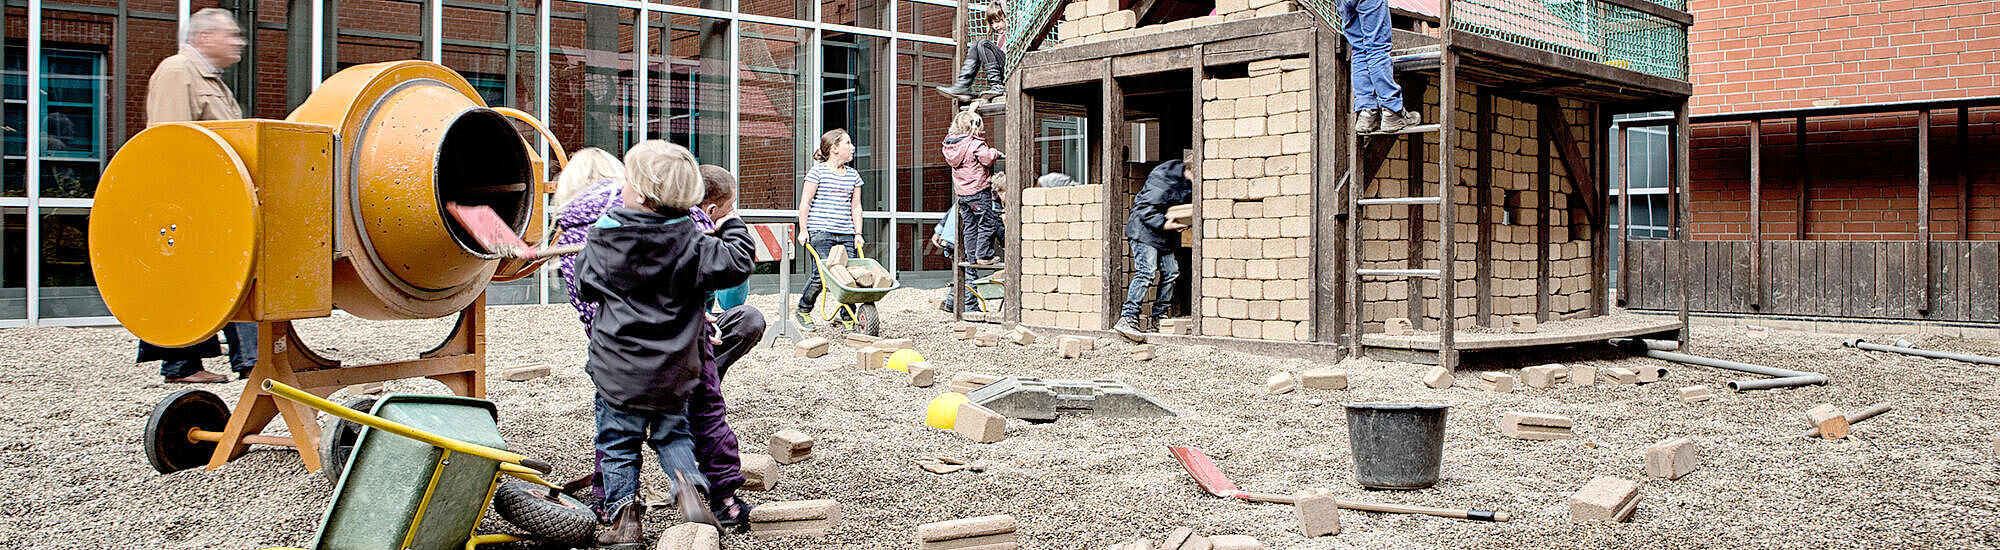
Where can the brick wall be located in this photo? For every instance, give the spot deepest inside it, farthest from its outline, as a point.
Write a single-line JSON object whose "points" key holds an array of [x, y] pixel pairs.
{"points": [[1749, 56], [1514, 209], [1256, 193], [1863, 174], [1062, 256]]}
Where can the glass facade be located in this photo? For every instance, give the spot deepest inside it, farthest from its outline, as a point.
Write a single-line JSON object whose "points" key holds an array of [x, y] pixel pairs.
{"points": [[747, 84]]}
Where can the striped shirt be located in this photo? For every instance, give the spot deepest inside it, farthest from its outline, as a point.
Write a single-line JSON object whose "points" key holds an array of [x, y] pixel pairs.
{"points": [[830, 208]]}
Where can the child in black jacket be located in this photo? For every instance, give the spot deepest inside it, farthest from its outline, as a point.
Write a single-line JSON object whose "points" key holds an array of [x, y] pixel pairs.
{"points": [[649, 269]]}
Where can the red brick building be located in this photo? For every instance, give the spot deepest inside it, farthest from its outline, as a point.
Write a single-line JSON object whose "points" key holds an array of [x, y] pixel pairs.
{"points": [[1858, 75]]}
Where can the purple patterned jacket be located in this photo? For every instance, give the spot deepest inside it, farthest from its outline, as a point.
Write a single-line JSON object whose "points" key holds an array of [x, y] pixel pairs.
{"points": [[573, 226]]}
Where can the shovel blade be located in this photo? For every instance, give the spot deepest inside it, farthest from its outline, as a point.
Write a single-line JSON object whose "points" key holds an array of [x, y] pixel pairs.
{"points": [[1205, 473]]}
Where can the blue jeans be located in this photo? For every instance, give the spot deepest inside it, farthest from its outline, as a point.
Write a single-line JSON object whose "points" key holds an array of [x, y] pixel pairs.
{"points": [[1150, 264], [242, 338], [1374, 79], [622, 437], [821, 242]]}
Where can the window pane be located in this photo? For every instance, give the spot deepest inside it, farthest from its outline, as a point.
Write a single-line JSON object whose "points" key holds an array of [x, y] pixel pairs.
{"points": [[772, 130], [380, 30], [591, 91], [689, 77], [475, 45], [859, 13], [923, 180], [67, 287], [850, 70], [13, 263], [793, 9], [930, 19]]}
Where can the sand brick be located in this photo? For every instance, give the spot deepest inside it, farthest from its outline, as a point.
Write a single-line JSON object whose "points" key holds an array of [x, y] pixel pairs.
{"points": [[1605, 498], [1671, 459]]}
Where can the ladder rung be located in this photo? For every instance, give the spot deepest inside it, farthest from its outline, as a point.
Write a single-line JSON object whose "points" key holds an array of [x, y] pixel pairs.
{"points": [[1397, 272], [1401, 200], [1409, 130]]}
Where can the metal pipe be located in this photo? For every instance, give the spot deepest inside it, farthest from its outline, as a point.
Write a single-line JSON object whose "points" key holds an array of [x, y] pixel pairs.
{"points": [[1780, 378], [1980, 359]]}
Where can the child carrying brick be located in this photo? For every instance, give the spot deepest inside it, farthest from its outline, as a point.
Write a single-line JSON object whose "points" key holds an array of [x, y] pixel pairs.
{"points": [[648, 269]]}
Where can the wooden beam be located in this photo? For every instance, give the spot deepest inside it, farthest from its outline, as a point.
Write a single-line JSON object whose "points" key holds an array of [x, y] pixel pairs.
{"points": [[1330, 97], [1193, 271], [1554, 124], [1624, 170], [1447, 179], [1756, 214], [1801, 176], [1062, 74], [1543, 211], [1413, 215], [1205, 34], [1964, 161], [1178, 59], [1682, 197], [1483, 200], [1111, 172], [1290, 43], [1020, 121], [1924, 211], [1654, 9], [1600, 242]]}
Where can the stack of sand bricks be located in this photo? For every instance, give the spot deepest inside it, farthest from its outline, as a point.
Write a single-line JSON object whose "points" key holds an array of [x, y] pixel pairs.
{"points": [[1087, 21], [1514, 207], [1256, 210], [1062, 251]]}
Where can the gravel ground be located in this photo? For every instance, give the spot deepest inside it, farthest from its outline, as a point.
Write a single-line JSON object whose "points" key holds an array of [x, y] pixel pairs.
{"points": [[1920, 476]]}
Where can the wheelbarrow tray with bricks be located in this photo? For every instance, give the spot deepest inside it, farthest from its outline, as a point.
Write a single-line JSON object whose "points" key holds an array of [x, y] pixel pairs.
{"points": [[423, 471], [856, 302]]}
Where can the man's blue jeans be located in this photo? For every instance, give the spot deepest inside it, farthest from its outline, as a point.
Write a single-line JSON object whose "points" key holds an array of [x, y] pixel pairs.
{"points": [[622, 437], [1374, 79], [1148, 265]]}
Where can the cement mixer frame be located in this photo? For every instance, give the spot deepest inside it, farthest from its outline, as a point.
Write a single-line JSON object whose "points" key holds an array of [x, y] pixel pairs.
{"points": [[340, 205]]}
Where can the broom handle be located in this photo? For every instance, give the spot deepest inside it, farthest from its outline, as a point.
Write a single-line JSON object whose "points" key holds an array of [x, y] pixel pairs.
{"points": [[1481, 515]]}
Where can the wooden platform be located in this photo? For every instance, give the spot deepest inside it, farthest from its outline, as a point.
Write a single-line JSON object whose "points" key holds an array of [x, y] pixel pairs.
{"points": [[1422, 347]]}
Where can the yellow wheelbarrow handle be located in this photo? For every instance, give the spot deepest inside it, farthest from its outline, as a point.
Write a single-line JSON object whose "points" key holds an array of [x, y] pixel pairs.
{"points": [[505, 457]]}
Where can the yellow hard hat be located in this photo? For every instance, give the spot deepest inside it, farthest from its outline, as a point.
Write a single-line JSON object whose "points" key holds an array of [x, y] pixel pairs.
{"points": [[903, 357], [943, 411]]}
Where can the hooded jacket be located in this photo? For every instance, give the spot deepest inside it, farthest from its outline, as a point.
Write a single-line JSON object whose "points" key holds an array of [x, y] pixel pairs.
{"points": [[971, 161], [649, 274], [1166, 186]]}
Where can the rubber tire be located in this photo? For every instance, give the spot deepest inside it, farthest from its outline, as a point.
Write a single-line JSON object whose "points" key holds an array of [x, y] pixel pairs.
{"points": [[866, 320], [526, 505], [337, 437], [180, 412]]}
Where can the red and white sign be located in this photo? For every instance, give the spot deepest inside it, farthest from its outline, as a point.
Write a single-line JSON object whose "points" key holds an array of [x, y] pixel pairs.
{"points": [[771, 239]]}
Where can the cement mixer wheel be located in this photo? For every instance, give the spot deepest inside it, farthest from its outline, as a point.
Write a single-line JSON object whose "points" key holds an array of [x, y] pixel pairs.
{"points": [[168, 447], [545, 514], [337, 437]]}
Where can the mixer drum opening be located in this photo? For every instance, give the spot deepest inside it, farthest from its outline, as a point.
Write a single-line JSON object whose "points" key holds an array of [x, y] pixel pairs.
{"points": [[482, 161]]}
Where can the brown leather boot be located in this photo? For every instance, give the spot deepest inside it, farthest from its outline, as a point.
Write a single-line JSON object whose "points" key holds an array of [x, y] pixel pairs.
{"points": [[626, 532]]}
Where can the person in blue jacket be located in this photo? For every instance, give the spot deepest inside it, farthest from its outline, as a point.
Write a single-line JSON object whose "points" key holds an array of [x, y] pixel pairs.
{"points": [[1153, 239]]}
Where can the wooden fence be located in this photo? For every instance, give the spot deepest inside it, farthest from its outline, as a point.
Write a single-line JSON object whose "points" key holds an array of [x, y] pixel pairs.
{"points": [[1870, 279]]}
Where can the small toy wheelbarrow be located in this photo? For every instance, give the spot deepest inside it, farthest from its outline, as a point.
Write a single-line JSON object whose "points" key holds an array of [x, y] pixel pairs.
{"points": [[856, 304], [409, 488]]}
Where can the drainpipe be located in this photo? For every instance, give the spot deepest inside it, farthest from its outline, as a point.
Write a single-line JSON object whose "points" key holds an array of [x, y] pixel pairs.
{"points": [[1781, 378], [1904, 347]]}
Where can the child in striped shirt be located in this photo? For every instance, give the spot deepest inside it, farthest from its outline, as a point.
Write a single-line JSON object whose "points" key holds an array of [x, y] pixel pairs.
{"points": [[832, 215]]}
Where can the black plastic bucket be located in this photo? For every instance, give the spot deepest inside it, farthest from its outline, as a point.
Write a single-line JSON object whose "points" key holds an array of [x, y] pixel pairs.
{"points": [[1396, 445]]}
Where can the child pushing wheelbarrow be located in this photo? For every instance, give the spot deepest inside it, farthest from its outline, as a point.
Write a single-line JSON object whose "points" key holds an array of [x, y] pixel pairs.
{"points": [[851, 286]]}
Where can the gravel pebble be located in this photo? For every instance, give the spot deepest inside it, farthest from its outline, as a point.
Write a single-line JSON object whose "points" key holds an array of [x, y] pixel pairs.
{"points": [[1919, 476]]}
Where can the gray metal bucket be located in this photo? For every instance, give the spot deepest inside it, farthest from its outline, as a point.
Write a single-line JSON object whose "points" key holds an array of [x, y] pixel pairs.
{"points": [[1396, 445]]}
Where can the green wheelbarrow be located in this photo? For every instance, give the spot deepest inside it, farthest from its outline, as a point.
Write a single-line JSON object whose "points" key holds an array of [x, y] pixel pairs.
{"points": [[856, 305], [423, 471]]}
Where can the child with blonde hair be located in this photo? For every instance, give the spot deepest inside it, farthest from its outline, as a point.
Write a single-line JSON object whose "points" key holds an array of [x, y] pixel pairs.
{"points": [[585, 190], [648, 269], [971, 161]]}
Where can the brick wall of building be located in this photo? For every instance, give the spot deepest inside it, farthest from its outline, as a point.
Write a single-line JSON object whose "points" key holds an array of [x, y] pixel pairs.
{"points": [[1748, 56], [1062, 256], [1256, 193]]}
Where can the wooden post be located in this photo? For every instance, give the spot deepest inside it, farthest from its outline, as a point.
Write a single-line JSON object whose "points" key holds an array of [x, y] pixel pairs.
{"points": [[1330, 97], [1964, 161], [960, 34], [1020, 121], [1543, 140], [1193, 271], [1483, 188], [1600, 242], [1112, 174], [1447, 178], [1924, 211], [1624, 216], [1683, 194], [1413, 148], [1756, 214], [1802, 175]]}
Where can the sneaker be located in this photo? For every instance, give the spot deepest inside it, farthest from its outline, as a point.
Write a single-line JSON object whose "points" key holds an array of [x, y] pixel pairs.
{"points": [[805, 320], [733, 515], [1395, 121], [1366, 120], [1129, 328]]}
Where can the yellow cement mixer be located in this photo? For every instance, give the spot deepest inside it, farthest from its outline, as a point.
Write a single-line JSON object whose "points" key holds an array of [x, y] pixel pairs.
{"points": [[342, 204]]}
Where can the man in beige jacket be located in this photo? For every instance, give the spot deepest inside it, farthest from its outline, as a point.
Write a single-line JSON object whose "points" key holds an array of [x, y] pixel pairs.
{"points": [[186, 87]]}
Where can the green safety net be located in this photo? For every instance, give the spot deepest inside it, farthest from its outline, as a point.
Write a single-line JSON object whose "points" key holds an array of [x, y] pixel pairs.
{"points": [[1584, 29], [1023, 17]]}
